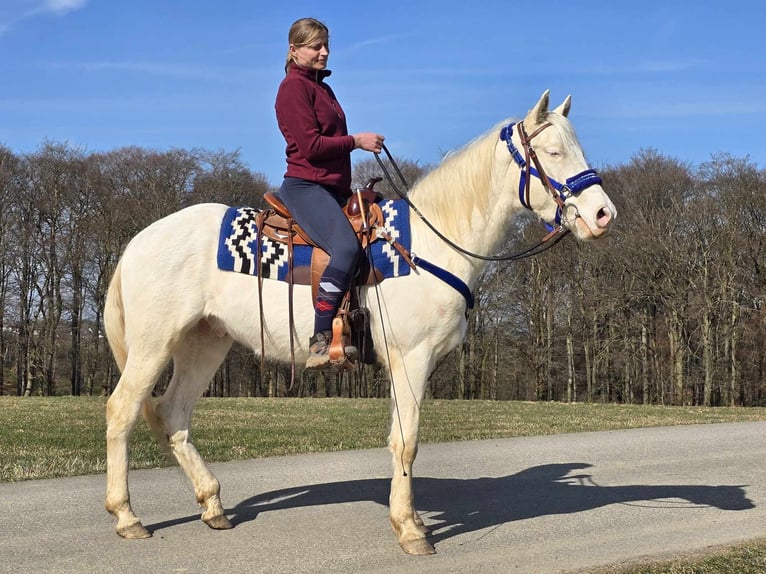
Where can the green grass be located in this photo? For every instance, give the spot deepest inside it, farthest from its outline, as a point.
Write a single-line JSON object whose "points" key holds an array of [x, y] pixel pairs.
{"points": [[65, 436], [748, 558], [42, 437]]}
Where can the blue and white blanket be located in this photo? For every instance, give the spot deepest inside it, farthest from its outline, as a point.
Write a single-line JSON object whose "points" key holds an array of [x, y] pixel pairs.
{"points": [[237, 244]]}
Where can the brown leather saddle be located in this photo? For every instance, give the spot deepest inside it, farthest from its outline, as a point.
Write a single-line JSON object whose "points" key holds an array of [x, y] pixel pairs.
{"points": [[350, 327], [361, 209]]}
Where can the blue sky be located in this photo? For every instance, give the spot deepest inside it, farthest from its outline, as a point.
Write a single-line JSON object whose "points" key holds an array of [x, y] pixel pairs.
{"points": [[687, 78]]}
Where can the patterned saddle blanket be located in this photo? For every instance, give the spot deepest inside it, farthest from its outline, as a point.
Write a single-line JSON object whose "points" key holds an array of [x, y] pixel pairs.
{"points": [[238, 238]]}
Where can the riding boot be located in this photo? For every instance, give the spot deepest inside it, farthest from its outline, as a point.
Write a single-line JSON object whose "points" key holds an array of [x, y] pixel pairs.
{"points": [[319, 351]]}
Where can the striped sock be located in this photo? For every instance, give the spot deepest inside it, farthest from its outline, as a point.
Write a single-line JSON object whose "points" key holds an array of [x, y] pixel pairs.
{"points": [[332, 287]]}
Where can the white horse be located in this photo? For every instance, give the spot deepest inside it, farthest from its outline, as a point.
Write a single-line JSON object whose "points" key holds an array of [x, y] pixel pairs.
{"points": [[168, 300]]}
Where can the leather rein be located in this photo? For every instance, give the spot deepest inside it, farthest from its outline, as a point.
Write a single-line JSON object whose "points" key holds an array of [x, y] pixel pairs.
{"points": [[560, 192]]}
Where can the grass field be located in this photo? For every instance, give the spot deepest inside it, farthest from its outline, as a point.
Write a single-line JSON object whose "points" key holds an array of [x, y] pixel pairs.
{"points": [[749, 558], [43, 437]]}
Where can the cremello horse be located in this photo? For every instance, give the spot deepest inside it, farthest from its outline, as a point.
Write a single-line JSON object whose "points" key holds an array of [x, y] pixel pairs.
{"points": [[168, 300]]}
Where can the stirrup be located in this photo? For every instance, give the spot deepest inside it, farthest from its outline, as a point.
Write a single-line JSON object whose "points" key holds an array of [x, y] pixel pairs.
{"points": [[343, 355]]}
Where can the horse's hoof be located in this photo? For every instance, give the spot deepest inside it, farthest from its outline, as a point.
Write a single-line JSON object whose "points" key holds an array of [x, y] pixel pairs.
{"points": [[219, 522], [134, 532], [418, 547]]}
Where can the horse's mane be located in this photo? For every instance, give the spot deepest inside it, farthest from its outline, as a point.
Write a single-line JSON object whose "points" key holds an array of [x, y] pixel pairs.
{"points": [[459, 185]]}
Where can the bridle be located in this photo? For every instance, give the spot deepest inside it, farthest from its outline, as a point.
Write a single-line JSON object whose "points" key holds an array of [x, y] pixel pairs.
{"points": [[560, 192]]}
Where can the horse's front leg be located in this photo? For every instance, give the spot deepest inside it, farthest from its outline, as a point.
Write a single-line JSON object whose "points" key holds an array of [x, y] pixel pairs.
{"points": [[403, 442], [405, 520]]}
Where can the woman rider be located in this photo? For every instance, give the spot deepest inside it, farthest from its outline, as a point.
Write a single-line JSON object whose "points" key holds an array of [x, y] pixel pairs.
{"points": [[317, 182]]}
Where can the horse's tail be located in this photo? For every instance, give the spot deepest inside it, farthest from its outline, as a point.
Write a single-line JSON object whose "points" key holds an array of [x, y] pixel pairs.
{"points": [[114, 324], [114, 319]]}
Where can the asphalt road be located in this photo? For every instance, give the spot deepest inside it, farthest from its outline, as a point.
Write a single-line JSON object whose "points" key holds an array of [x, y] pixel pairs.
{"points": [[546, 504]]}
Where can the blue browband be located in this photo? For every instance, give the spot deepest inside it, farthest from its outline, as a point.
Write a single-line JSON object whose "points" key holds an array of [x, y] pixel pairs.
{"points": [[573, 186]]}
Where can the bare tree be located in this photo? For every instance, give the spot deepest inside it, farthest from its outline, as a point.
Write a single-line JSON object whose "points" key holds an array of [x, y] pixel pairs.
{"points": [[10, 190], [369, 168]]}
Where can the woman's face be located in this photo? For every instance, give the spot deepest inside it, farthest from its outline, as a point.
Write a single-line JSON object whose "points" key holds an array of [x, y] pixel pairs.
{"points": [[313, 55]]}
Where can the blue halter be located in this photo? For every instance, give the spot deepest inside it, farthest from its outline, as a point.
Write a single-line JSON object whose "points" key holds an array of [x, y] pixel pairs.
{"points": [[573, 186]]}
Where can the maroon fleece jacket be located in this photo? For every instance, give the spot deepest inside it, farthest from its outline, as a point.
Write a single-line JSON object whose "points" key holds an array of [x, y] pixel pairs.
{"points": [[314, 127]]}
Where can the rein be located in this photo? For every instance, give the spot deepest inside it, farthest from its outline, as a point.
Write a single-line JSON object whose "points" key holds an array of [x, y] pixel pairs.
{"points": [[560, 192]]}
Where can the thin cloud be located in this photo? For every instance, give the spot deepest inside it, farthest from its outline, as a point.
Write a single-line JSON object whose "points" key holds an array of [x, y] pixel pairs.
{"points": [[670, 65], [161, 69], [618, 69], [648, 67], [61, 7], [373, 41], [686, 109], [45, 8]]}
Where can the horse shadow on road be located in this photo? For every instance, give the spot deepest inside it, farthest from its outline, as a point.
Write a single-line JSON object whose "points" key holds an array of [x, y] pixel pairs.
{"points": [[457, 506]]}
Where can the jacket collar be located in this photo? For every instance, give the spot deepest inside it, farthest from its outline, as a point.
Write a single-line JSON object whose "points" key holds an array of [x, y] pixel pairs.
{"points": [[314, 75]]}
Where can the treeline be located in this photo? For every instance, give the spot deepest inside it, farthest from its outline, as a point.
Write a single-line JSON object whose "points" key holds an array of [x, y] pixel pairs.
{"points": [[668, 309], [65, 217]]}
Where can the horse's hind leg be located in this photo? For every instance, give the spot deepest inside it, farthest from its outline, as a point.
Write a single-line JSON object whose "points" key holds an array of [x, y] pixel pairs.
{"points": [[122, 408], [195, 361]]}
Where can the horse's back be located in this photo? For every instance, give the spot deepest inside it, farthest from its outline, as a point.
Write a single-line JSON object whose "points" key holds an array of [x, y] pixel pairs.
{"points": [[167, 264], [178, 235], [201, 216]]}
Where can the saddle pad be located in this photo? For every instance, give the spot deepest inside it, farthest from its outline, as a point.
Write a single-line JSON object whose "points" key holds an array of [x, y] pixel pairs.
{"points": [[237, 243]]}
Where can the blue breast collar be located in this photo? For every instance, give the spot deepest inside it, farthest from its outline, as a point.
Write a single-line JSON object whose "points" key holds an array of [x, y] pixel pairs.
{"points": [[449, 278]]}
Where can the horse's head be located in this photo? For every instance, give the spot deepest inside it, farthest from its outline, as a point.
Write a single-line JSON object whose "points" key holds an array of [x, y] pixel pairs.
{"points": [[556, 182]]}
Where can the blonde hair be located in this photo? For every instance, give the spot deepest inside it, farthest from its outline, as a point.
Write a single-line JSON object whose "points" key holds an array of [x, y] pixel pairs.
{"points": [[302, 33]]}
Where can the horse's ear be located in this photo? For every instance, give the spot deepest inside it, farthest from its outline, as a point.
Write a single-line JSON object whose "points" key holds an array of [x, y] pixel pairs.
{"points": [[537, 114], [565, 106]]}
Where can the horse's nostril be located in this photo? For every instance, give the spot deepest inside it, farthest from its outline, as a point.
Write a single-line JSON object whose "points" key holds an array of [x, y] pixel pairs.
{"points": [[603, 217]]}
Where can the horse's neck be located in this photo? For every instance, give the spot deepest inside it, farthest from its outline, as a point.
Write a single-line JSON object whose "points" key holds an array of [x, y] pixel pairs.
{"points": [[459, 198]]}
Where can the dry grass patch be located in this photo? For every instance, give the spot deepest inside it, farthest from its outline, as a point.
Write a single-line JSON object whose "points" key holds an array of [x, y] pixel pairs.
{"points": [[47, 437], [748, 558]]}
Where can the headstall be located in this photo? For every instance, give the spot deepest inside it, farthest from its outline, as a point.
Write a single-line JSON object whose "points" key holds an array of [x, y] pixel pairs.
{"points": [[560, 191]]}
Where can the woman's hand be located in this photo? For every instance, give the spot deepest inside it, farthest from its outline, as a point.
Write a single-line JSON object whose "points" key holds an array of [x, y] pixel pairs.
{"points": [[369, 141]]}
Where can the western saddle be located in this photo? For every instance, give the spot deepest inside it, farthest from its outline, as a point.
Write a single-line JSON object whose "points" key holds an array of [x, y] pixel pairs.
{"points": [[350, 324]]}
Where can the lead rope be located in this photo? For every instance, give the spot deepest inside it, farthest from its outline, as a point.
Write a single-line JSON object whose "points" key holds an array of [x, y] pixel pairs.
{"points": [[260, 218], [376, 285], [391, 376], [290, 290]]}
